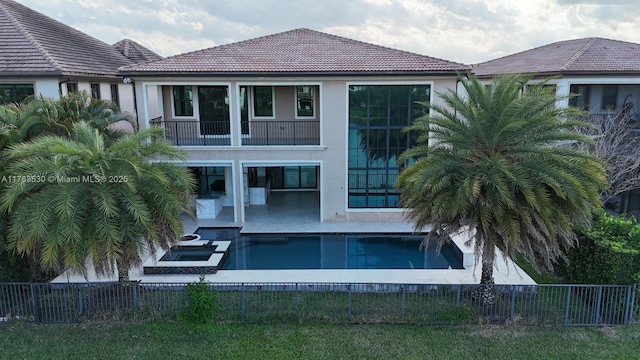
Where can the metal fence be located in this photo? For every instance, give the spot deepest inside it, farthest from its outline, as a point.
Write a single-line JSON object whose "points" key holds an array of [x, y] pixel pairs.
{"points": [[583, 305]]}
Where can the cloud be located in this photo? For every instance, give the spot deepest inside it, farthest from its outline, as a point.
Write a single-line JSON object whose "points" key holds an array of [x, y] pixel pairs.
{"points": [[467, 31]]}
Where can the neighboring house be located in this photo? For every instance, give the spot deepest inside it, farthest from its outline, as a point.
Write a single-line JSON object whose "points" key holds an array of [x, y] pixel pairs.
{"points": [[603, 73], [39, 55], [295, 111]]}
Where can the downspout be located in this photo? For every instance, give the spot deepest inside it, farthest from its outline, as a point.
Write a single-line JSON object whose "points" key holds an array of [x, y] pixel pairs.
{"points": [[60, 85]]}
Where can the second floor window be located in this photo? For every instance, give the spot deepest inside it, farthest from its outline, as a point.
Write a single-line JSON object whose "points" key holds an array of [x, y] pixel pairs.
{"points": [[304, 101], [183, 100], [263, 101]]}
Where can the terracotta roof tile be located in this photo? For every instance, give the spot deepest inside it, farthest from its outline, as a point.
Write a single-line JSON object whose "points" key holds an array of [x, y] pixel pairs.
{"points": [[34, 44], [298, 51], [135, 52], [588, 55]]}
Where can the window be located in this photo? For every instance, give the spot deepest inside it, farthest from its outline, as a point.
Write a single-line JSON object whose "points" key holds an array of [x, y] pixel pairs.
{"points": [[115, 96], [15, 93], [210, 181], [377, 116], [244, 110], [581, 98], [214, 110], [95, 91], [609, 96], [263, 101], [304, 101], [72, 88], [183, 100]]}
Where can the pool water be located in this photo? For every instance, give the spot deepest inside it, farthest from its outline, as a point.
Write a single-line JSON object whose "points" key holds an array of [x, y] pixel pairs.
{"points": [[330, 251]]}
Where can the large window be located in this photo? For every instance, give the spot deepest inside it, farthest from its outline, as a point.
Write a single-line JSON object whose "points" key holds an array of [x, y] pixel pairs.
{"points": [[183, 100], [263, 101], [15, 93], [304, 101], [95, 91], [377, 115]]}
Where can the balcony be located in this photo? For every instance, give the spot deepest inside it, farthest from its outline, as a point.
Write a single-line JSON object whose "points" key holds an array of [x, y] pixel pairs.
{"points": [[254, 133]]}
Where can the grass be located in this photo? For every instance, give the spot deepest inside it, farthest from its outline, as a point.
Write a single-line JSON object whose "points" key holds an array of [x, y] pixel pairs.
{"points": [[324, 341]]}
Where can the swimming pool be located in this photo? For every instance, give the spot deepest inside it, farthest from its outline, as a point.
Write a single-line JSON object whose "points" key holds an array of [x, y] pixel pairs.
{"points": [[330, 251]]}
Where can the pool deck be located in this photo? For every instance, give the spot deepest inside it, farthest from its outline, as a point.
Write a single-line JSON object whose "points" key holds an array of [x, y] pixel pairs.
{"points": [[299, 212]]}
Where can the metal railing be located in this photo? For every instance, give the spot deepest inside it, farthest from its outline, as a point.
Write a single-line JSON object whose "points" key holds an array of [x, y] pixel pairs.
{"points": [[566, 305], [254, 133], [275, 132]]}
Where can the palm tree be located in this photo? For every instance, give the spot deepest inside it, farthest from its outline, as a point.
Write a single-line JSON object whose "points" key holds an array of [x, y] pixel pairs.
{"points": [[499, 166], [42, 116], [93, 201]]}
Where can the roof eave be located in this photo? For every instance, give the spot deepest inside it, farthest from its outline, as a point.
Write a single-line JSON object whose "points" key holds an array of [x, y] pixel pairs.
{"points": [[452, 72]]}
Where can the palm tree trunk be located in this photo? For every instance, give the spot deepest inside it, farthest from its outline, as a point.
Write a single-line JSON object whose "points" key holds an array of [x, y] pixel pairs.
{"points": [[486, 291], [123, 271]]}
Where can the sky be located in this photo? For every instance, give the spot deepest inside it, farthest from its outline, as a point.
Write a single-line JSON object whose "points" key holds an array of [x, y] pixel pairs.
{"points": [[466, 31]]}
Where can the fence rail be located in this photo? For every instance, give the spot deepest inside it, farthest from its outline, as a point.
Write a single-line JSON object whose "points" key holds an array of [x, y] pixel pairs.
{"points": [[568, 305]]}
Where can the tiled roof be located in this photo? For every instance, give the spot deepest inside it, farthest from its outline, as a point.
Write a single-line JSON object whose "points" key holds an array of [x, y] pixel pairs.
{"points": [[135, 52], [300, 51], [34, 44], [581, 56]]}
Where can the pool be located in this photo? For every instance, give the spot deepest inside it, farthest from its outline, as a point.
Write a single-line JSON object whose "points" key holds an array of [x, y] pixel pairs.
{"points": [[330, 251]]}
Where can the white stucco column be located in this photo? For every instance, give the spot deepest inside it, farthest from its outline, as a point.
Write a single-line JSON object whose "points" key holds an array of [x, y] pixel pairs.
{"points": [[562, 90]]}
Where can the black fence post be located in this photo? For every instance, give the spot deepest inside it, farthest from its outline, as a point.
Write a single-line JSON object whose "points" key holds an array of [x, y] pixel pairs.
{"points": [[596, 320], [243, 310], [403, 300], [34, 307], [79, 297], [566, 307], [296, 298], [349, 306], [513, 303], [134, 294]]}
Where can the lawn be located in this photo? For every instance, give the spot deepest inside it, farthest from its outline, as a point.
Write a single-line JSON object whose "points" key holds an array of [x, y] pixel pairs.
{"points": [[243, 341]]}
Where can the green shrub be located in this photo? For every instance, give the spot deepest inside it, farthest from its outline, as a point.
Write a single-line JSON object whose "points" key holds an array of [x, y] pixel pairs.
{"points": [[203, 305], [607, 253]]}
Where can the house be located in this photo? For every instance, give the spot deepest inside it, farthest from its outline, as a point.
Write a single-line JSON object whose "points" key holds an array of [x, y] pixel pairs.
{"points": [[304, 114], [39, 55], [604, 75]]}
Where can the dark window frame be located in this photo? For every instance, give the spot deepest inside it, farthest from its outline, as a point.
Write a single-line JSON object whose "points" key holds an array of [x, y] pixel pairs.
{"points": [[609, 100], [72, 87], [115, 94], [95, 90], [377, 116], [16, 93], [300, 101], [182, 104], [263, 106]]}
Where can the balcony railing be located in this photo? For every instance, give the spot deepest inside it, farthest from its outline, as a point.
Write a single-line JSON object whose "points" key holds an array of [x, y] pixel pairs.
{"points": [[270, 132], [254, 133]]}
